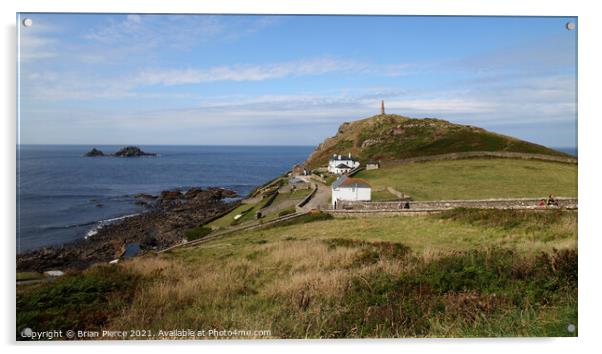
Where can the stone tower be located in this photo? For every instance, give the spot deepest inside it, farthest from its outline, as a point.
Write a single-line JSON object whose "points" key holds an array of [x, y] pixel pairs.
{"points": [[382, 107]]}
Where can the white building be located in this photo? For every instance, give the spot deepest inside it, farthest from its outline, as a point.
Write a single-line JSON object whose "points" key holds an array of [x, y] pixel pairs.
{"points": [[372, 165], [341, 169], [350, 189], [339, 164]]}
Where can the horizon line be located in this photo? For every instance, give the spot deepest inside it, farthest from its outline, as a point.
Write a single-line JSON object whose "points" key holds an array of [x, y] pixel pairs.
{"points": [[258, 145], [142, 144]]}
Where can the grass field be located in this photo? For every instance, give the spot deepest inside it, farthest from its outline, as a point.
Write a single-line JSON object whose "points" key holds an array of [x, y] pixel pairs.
{"points": [[460, 273], [477, 179], [383, 195]]}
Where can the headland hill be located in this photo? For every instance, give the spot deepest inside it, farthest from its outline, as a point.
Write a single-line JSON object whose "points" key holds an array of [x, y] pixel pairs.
{"points": [[479, 239]]}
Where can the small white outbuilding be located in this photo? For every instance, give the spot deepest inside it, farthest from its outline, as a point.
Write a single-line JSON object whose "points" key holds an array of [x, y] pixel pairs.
{"points": [[350, 189]]}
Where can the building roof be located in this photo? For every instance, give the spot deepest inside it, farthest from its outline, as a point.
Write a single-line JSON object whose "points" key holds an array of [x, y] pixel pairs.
{"points": [[342, 165], [342, 158], [295, 180], [349, 182]]}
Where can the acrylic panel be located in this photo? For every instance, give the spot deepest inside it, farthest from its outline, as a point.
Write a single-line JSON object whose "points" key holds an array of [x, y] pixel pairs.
{"points": [[184, 176]]}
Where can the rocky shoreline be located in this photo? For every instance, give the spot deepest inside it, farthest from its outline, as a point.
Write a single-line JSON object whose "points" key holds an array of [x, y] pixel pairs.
{"points": [[164, 224]]}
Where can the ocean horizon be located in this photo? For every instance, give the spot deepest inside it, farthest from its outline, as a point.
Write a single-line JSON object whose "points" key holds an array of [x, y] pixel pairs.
{"points": [[63, 196]]}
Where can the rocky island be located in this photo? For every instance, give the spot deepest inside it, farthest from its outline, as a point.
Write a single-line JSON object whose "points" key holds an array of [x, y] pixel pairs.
{"points": [[94, 153], [132, 151], [128, 151]]}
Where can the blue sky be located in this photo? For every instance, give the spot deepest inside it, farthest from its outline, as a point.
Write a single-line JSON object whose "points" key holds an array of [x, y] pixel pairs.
{"points": [[288, 80]]}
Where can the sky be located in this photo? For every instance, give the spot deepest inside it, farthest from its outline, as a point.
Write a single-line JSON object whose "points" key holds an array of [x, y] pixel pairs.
{"points": [[288, 80]]}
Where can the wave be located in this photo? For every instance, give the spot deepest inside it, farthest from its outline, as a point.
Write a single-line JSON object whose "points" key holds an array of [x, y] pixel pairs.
{"points": [[102, 223]]}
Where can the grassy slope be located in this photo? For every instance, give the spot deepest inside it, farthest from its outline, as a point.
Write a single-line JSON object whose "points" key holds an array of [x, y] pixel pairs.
{"points": [[477, 178], [464, 273], [282, 198], [383, 195], [389, 137]]}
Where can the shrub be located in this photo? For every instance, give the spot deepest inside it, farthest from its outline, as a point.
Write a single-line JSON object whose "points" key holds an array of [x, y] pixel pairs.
{"points": [[466, 289], [76, 301], [197, 232]]}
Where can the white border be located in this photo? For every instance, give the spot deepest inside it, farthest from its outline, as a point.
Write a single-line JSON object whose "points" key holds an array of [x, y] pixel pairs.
{"points": [[589, 147]]}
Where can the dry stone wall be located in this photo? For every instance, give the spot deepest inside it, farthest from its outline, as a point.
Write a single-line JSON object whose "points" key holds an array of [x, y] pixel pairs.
{"points": [[473, 154], [450, 204]]}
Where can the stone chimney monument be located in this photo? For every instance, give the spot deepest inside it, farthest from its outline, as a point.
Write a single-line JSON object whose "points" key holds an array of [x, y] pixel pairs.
{"points": [[382, 107]]}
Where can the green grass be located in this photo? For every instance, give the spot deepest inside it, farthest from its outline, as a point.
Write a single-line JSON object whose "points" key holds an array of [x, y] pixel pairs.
{"points": [[448, 232], [249, 210], [477, 179], [330, 179], [304, 219], [391, 137], [23, 276], [197, 232], [287, 211], [297, 194], [461, 273], [227, 219], [76, 301], [383, 195]]}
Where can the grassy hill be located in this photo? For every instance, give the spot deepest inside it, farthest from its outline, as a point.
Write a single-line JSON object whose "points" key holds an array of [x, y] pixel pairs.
{"points": [[461, 273], [390, 137], [477, 178]]}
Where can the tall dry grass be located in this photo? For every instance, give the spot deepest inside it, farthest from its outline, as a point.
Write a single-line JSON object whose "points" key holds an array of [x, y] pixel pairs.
{"points": [[339, 288]]}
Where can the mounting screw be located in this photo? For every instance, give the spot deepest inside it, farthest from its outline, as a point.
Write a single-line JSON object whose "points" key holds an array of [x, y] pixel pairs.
{"points": [[570, 26], [27, 22]]}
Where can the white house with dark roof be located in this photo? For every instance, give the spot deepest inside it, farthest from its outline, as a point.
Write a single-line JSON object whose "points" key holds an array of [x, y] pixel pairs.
{"points": [[346, 188], [339, 164]]}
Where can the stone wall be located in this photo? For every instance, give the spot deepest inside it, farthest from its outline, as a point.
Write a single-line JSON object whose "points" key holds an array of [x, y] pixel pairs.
{"points": [[473, 154], [306, 200], [450, 204], [378, 213]]}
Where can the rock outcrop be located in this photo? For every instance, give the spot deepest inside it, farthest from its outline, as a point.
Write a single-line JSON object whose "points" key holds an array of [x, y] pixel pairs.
{"points": [[94, 153], [164, 224], [132, 151]]}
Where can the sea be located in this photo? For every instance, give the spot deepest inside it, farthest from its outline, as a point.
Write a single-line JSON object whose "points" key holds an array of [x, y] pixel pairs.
{"points": [[63, 196]]}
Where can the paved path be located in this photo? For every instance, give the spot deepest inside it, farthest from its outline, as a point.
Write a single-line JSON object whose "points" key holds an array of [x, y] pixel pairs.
{"points": [[322, 197]]}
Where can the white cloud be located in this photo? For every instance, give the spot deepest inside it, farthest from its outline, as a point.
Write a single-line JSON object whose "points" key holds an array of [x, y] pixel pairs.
{"points": [[296, 68], [70, 86]]}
